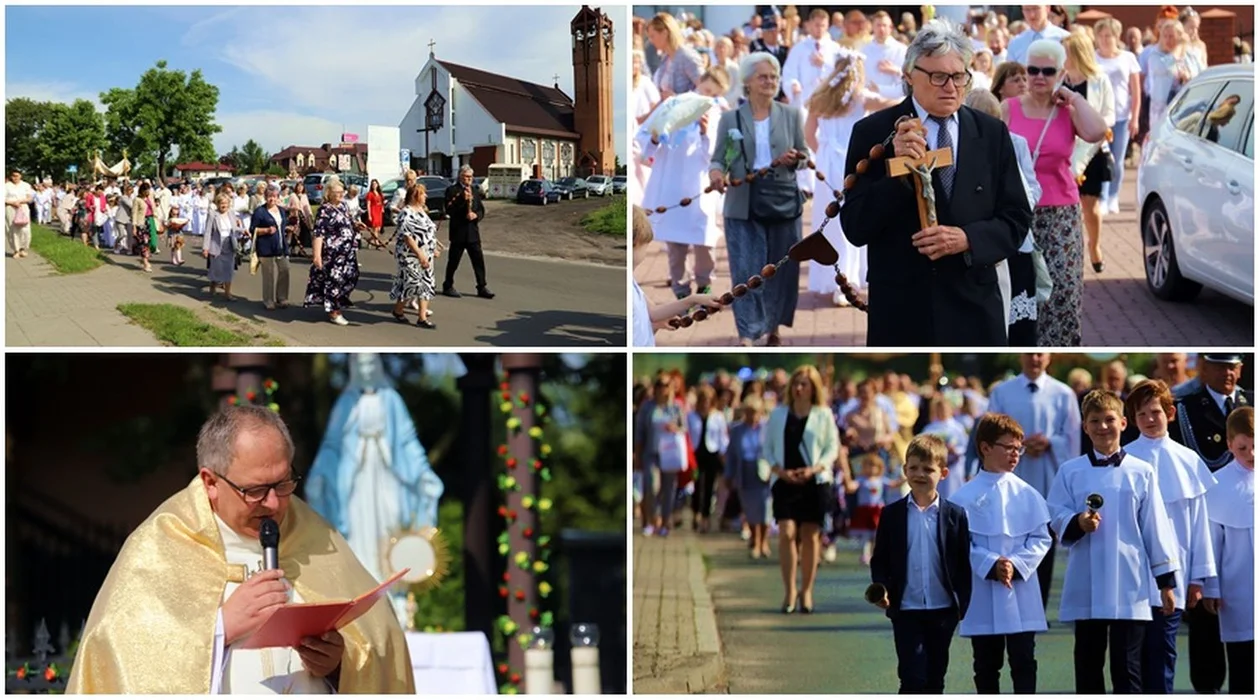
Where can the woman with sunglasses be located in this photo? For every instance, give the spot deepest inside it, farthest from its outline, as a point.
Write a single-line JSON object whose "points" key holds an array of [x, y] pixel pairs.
{"points": [[1051, 117]]}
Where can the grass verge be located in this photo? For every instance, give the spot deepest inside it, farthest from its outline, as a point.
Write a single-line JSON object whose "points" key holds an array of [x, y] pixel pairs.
{"points": [[66, 255], [608, 220], [178, 326]]}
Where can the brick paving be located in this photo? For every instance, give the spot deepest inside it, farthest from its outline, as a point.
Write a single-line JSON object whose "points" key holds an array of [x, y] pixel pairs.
{"points": [[1118, 309], [676, 646]]}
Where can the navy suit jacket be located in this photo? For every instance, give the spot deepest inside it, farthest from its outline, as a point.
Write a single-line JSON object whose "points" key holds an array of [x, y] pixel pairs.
{"points": [[275, 245], [953, 541]]}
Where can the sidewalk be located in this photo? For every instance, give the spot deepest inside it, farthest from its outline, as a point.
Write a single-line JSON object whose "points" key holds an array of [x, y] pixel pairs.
{"points": [[676, 646], [1118, 309]]}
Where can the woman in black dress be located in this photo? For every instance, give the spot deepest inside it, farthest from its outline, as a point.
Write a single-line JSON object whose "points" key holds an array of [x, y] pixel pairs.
{"points": [[802, 444]]}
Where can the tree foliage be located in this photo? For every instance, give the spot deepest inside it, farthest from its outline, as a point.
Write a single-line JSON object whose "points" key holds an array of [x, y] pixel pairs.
{"points": [[70, 137], [168, 112], [253, 157], [24, 121]]}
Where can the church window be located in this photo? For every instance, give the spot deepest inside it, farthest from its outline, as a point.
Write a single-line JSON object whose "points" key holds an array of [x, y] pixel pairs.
{"points": [[301, 163]]}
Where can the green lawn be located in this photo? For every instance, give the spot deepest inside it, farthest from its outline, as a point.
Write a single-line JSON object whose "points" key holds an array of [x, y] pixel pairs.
{"points": [[609, 220], [178, 326], [66, 255]]}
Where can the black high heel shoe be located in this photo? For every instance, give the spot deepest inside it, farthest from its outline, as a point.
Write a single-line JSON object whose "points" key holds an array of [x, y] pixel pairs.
{"points": [[806, 609], [401, 318], [789, 608]]}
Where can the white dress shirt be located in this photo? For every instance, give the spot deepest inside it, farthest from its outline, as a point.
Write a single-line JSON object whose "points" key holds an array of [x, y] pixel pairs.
{"points": [[1052, 410], [934, 129], [1017, 50], [925, 576]]}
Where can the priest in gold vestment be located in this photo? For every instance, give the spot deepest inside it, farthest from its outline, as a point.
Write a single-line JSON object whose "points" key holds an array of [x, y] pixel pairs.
{"points": [[189, 585]]}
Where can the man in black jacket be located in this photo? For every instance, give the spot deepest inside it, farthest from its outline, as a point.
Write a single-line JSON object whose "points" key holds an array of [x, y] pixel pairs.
{"points": [[937, 286], [465, 210], [922, 567]]}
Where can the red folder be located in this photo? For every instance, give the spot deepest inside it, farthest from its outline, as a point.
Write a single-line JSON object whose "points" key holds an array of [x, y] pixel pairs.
{"points": [[289, 624]]}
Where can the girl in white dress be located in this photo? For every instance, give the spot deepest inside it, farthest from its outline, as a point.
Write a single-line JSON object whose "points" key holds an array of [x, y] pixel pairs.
{"points": [[645, 99], [201, 211], [834, 108]]}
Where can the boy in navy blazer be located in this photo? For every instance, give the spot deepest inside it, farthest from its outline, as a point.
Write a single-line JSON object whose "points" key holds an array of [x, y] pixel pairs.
{"points": [[921, 570]]}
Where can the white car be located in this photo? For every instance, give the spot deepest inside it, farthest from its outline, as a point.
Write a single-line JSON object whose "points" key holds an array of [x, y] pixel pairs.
{"points": [[1196, 189], [600, 185]]}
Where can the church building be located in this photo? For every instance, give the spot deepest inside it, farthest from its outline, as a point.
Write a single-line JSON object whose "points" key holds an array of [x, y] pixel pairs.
{"points": [[466, 116]]}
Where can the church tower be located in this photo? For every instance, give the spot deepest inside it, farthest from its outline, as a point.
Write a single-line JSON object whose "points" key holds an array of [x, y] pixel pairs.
{"points": [[592, 33]]}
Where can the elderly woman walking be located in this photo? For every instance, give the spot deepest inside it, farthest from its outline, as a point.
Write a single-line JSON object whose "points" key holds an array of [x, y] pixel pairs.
{"points": [[762, 218], [267, 227], [1051, 119], [335, 267], [300, 213], [220, 248], [416, 253], [18, 198]]}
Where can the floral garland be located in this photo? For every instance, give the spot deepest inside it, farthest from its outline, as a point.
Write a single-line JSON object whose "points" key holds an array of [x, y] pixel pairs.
{"points": [[510, 679], [250, 398], [52, 673]]}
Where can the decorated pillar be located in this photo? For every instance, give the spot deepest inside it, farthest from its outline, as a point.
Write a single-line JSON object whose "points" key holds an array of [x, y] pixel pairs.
{"points": [[524, 454], [478, 492], [242, 378]]}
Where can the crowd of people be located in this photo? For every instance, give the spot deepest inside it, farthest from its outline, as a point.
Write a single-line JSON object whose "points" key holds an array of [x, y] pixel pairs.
{"points": [[263, 230], [1076, 100], [824, 460]]}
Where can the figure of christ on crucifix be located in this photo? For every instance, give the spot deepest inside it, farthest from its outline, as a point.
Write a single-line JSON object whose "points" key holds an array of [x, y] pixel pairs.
{"points": [[932, 279]]}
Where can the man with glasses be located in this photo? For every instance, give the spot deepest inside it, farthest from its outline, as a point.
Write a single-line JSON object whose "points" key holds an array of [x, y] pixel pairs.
{"points": [[1010, 536], [936, 286], [189, 585], [1050, 415]]}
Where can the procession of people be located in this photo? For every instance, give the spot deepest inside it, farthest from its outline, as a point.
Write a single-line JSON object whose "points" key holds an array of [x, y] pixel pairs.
{"points": [[994, 252]]}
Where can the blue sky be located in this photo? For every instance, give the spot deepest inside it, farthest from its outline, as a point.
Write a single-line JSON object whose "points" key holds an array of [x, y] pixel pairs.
{"points": [[292, 74]]}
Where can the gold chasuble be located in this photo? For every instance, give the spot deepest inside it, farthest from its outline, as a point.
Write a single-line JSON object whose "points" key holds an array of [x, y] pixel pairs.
{"points": [[151, 629]]}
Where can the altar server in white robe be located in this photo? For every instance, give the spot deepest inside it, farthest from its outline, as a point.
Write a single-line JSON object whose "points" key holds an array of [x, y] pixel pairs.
{"points": [[1183, 482], [201, 211], [885, 57], [1113, 550], [680, 168], [809, 62], [1051, 417], [1009, 538], [1231, 512]]}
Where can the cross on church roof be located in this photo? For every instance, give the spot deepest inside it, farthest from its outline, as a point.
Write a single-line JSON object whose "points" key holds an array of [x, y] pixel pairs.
{"points": [[431, 45], [556, 78]]}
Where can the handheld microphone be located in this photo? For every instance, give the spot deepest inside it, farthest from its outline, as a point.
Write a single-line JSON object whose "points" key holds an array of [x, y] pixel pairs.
{"points": [[1094, 502], [269, 537]]}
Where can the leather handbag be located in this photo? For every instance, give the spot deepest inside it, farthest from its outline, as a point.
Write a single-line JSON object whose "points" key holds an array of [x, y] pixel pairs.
{"points": [[773, 199]]}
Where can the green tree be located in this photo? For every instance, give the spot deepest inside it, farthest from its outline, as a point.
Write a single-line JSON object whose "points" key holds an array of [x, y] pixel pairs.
{"points": [[70, 136], [276, 169], [24, 120], [232, 159], [253, 157], [167, 112], [619, 168]]}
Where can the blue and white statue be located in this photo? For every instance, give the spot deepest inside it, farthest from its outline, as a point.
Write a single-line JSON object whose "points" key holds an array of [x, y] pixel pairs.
{"points": [[371, 479]]}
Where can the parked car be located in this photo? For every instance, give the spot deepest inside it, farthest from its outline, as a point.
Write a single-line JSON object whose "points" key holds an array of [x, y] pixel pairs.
{"points": [[315, 183], [619, 184], [537, 191], [483, 186], [1196, 189], [599, 185], [573, 187], [435, 188], [214, 182]]}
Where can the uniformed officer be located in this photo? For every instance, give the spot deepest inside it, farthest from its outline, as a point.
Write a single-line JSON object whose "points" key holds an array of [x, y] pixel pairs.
{"points": [[1200, 425]]}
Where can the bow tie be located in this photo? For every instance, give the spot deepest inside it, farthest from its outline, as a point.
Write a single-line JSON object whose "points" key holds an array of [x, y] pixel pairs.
{"points": [[1112, 461]]}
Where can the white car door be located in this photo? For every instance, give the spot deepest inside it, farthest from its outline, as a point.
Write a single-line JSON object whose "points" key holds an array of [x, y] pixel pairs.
{"points": [[1228, 181], [1190, 203]]}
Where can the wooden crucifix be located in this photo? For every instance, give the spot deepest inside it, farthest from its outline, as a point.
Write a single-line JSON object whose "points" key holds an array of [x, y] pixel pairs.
{"points": [[922, 169]]}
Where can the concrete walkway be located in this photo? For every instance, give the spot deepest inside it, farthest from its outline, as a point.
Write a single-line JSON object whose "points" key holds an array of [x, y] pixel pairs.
{"points": [[676, 646]]}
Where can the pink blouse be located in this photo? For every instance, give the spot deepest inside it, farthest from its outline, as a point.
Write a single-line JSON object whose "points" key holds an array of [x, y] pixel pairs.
{"points": [[1054, 163]]}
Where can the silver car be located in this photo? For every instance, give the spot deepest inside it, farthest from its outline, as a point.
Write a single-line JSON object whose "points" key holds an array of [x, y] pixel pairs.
{"points": [[600, 185]]}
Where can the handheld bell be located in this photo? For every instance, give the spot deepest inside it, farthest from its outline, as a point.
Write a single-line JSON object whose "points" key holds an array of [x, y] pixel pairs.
{"points": [[1094, 502], [875, 593]]}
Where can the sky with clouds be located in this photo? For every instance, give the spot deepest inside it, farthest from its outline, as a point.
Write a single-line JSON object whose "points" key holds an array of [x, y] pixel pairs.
{"points": [[293, 75]]}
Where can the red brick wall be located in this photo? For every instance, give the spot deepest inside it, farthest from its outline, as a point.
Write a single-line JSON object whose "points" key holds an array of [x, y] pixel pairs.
{"points": [[481, 160]]}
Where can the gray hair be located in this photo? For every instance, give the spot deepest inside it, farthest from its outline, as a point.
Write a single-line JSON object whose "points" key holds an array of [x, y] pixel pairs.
{"points": [[465, 169], [273, 188], [938, 37], [216, 443], [748, 66], [1047, 49]]}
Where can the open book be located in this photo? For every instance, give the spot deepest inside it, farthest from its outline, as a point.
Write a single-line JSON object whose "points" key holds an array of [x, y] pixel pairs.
{"points": [[289, 624]]}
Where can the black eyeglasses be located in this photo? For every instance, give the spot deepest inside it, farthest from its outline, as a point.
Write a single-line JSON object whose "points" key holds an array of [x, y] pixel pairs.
{"points": [[257, 494], [961, 80], [1048, 71], [1017, 449]]}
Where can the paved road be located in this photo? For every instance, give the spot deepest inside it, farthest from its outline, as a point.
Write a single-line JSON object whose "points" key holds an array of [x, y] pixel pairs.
{"points": [[1118, 309], [846, 645], [539, 303]]}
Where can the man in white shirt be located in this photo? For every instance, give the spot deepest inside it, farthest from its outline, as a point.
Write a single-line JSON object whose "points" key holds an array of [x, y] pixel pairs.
{"points": [[1039, 27], [1051, 417], [811, 61], [884, 57]]}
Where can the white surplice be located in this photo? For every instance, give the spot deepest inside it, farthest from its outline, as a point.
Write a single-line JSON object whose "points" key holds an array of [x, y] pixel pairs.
{"points": [[889, 85], [1108, 570], [1052, 410], [1183, 482], [1231, 508], [799, 68], [680, 168], [833, 147], [255, 671], [1007, 518]]}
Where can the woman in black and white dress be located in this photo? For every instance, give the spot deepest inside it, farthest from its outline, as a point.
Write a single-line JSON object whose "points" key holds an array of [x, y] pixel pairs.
{"points": [[415, 249]]}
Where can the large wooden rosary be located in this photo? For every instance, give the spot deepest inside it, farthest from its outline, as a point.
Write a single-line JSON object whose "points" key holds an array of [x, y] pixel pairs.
{"points": [[814, 247]]}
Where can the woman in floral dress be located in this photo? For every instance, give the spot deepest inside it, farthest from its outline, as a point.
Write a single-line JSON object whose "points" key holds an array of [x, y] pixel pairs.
{"points": [[416, 253], [335, 268]]}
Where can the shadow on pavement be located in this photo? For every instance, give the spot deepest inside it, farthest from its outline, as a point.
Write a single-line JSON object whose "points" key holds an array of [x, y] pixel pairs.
{"points": [[548, 328]]}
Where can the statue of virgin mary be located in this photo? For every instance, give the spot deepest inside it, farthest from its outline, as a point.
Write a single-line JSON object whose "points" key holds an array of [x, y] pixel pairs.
{"points": [[371, 479]]}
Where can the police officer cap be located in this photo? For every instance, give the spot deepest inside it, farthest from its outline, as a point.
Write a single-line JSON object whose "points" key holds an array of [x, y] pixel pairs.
{"points": [[1225, 358]]}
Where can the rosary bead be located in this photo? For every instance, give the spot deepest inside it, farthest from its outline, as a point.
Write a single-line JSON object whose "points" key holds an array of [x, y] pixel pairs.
{"points": [[769, 270], [755, 281], [877, 151], [833, 209], [662, 209], [740, 290], [685, 201], [727, 299]]}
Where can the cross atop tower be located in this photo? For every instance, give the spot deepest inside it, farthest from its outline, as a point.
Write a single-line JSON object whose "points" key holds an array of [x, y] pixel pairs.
{"points": [[431, 45], [556, 78]]}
